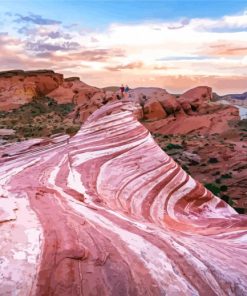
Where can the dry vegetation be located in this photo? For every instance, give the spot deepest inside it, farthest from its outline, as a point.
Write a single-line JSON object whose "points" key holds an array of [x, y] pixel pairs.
{"points": [[41, 118]]}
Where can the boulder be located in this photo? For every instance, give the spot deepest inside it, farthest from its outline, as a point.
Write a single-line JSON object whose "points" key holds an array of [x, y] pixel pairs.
{"points": [[186, 107], [73, 91], [98, 99], [170, 104], [196, 96], [153, 110], [84, 114]]}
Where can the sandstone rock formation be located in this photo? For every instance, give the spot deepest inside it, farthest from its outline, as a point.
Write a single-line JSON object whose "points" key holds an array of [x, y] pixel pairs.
{"points": [[107, 212], [186, 113], [18, 87], [191, 112], [196, 96], [153, 110], [73, 90]]}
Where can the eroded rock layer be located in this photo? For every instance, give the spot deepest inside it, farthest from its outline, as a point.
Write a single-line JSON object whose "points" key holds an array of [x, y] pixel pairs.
{"points": [[117, 217]]}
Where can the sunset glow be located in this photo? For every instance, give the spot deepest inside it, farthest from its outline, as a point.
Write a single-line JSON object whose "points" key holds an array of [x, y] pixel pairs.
{"points": [[176, 53]]}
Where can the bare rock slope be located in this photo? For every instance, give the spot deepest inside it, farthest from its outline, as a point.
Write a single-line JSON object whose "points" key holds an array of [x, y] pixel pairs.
{"points": [[107, 212]]}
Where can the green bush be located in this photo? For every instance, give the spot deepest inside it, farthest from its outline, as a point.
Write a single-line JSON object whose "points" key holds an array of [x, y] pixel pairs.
{"points": [[240, 210], [185, 168], [173, 146], [213, 188], [223, 188], [64, 109]]}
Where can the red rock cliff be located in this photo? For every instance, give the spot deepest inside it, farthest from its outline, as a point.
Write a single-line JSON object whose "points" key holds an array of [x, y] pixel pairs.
{"points": [[18, 87]]}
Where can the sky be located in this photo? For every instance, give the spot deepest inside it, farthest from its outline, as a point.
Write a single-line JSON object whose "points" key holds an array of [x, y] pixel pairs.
{"points": [[171, 44]]}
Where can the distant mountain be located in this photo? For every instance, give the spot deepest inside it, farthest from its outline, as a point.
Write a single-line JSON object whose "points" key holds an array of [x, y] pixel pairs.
{"points": [[242, 96]]}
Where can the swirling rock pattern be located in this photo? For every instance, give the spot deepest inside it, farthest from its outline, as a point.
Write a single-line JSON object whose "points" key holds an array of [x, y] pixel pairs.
{"points": [[112, 214]]}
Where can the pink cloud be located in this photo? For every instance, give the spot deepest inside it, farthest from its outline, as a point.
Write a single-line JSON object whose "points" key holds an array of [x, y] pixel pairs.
{"points": [[134, 65]]}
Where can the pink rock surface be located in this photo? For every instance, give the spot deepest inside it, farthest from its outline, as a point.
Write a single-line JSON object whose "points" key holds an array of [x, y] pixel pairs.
{"points": [[119, 217], [180, 123], [196, 96]]}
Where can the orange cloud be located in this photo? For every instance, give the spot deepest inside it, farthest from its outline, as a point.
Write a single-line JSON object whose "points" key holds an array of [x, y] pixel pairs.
{"points": [[134, 65], [226, 49]]}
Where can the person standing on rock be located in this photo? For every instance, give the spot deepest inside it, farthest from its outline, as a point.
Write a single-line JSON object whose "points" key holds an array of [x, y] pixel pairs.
{"points": [[126, 91], [122, 90]]}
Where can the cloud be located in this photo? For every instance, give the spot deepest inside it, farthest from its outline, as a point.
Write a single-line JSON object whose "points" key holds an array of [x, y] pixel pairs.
{"points": [[225, 24], [134, 65], [35, 19], [180, 25], [46, 32], [93, 55], [44, 47], [227, 49], [164, 68], [97, 55], [184, 58], [177, 55], [93, 39], [27, 31], [57, 35]]}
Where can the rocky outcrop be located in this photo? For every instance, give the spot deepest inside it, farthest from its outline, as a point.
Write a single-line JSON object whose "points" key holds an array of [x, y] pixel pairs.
{"points": [[197, 96], [186, 113], [191, 112], [109, 212], [19, 87], [170, 104], [153, 110], [73, 91]]}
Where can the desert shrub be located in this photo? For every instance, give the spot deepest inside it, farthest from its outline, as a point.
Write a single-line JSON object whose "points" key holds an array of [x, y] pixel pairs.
{"points": [[218, 181], [240, 210], [65, 109], [51, 103], [216, 173], [72, 130], [166, 136], [226, 176], [213, 160], [227, 199], [185, 168], [213, 188], [173, 146], [57, 130], [193, 162], [223, 188]]}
